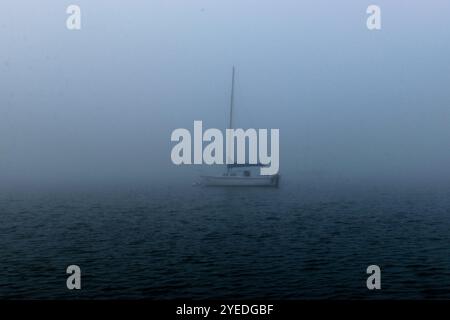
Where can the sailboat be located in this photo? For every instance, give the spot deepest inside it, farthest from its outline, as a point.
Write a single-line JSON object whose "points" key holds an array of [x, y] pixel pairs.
{"points": [[240, 174]]}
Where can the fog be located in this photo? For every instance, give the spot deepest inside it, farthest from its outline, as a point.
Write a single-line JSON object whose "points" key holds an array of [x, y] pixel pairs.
{"points": [[97, 106]]}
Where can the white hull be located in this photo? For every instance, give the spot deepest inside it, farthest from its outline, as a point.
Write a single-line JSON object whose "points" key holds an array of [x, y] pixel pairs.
{"points": [[239, 181]]}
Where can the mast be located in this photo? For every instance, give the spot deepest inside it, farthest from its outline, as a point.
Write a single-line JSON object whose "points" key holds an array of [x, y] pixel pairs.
{"points": [[231, 100], [230, 126]]}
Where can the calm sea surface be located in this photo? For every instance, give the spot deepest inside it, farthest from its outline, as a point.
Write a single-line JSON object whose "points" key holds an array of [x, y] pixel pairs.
{"points": [[289, 243]]}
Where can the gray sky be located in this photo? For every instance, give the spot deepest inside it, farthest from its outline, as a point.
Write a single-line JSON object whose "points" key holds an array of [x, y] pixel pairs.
{"points": [[97, 106]]}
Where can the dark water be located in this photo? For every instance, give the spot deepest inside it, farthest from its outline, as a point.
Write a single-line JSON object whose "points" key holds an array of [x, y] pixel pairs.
{"points": [[296, 242]]}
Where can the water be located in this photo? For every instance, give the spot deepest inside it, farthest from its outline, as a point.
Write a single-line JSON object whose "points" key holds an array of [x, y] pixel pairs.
{"points": [[296, 242]]}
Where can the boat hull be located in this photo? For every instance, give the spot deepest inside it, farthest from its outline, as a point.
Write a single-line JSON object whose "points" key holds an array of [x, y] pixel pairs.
{"points": [[238, 181]]}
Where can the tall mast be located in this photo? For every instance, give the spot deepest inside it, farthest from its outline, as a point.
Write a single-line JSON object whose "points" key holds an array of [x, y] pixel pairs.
{"points": [[231, 100], [230, 126]]}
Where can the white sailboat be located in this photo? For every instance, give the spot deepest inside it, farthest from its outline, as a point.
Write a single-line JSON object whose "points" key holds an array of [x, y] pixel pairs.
{"points": [[240, 174]]}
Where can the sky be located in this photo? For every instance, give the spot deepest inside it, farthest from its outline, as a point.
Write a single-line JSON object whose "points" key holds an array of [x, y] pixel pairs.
{"points": [[97, 106]]}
